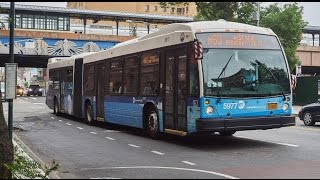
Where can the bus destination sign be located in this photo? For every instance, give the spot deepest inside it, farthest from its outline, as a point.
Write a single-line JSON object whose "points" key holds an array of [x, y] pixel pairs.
{"points": [[238, 40]]}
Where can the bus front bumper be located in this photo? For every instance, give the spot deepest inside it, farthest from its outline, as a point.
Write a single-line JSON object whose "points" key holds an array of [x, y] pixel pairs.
{"points": [[238, 124]]}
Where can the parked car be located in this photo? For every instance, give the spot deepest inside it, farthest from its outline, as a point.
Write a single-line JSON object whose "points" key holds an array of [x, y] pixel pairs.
{"points": [[20, 91], [310, 113], [34, 90]]}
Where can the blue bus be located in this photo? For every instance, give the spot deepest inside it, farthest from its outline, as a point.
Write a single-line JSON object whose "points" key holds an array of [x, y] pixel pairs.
{"points": [[186, 78]]}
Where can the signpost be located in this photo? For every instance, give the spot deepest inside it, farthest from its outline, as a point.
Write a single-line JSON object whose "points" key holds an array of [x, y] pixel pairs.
{"points": [[11, 73]]}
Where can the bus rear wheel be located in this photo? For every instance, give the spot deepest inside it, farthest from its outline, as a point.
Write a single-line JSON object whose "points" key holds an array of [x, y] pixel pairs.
{"points": [[89, 118], [153, 124], [227, 133]]}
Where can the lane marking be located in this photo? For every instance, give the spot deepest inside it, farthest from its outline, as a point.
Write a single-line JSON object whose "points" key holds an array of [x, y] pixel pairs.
{"points": [[161, 167], [53, 118], [40, 103], [110, 131], [110, 138], [69, 124], [132, 145], [25, 98], [157, 152], [34, 98], [285, 144], [79, 127], [93, 133], [190, 163], [60, 120]]}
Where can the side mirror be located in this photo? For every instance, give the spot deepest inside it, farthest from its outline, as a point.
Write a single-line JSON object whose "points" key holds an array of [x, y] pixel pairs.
{"points": [[319, 100]]}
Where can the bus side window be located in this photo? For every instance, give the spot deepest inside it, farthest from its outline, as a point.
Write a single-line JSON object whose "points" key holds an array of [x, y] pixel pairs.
{"points": [[194, 79], [115, 77], [149, 74]]}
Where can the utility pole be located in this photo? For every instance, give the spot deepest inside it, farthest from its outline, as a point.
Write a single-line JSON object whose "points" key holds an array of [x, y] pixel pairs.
{"points": [[11, 52]]}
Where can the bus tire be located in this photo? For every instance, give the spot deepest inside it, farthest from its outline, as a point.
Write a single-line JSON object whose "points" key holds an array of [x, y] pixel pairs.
{"points": [[227, 133], [56, 107], [88, 114], [152, 123]]}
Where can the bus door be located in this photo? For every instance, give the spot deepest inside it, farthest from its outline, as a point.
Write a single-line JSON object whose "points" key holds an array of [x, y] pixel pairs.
{"points": [[100, 84], [175, 121], [77, 90]]}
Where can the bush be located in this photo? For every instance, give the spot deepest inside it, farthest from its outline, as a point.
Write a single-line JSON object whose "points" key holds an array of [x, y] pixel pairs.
{"points": [[23, 167]]}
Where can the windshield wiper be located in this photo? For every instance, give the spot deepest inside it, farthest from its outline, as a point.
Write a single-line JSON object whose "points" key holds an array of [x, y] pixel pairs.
{"points": [[223, 69], [274, 78]]}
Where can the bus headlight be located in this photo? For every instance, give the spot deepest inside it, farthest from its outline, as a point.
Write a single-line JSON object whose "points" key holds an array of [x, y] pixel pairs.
{"points": [[209, 110], [285, 106]]}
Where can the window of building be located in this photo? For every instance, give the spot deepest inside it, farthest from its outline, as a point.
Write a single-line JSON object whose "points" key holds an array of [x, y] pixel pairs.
{"points": [[115, 83], [27, 21], [187, 9], [147, 8], [179, 11], [164, 9], [18, 21], [130, 78], [155, 8], [40, 22], [172, 10], [149, 74]]}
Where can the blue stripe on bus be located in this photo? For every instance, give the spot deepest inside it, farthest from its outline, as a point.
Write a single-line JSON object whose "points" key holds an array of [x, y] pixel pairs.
{"points": [[128, 110]]}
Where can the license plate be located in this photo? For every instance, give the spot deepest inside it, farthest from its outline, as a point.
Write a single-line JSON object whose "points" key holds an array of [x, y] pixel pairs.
{"points": [[272, 106]]}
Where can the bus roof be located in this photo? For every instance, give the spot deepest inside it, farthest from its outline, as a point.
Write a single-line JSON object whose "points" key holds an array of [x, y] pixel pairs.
{"points": [[56, 62], [172, 34]]}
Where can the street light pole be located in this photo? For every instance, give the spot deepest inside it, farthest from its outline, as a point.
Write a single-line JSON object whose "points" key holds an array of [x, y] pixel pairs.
{"points": [[10, 101]]}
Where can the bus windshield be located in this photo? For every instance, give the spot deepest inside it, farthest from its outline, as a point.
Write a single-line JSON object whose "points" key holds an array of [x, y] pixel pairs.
{"points": [[244, 72]]}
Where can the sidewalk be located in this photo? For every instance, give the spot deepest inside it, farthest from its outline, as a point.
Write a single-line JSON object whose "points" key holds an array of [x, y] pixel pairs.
{"points": [[295, 110], [22, 148]]}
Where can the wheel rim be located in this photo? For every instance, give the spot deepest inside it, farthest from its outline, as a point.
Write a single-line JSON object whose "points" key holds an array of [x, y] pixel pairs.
{"points": [[89, 118], [153, 122], [307, 118]]}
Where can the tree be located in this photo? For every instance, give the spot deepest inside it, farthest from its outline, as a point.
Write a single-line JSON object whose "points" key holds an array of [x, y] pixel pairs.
{"points": [[230, 11], [6, 146], [287, 23]]}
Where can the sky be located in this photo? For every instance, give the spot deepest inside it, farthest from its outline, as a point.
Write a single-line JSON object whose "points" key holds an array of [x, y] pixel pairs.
{"points": [[311, 9]]}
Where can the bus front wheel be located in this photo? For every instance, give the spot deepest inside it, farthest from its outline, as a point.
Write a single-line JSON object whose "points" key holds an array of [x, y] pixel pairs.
{"points": [[153, 124], [227, 133], [89, 118]]}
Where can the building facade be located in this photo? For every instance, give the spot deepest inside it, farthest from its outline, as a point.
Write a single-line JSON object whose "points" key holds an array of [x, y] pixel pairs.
{"points": [[153, 8]]}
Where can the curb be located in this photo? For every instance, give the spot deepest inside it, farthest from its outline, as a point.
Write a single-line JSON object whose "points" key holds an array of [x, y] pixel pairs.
{"points": [[27, 152]]}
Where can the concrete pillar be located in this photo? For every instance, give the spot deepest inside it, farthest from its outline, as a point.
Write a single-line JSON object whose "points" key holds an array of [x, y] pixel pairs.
{"points": [[117, 22]]}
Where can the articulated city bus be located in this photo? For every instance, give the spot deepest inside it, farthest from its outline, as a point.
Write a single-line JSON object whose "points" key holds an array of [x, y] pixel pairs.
{"points": [[187, 78]]}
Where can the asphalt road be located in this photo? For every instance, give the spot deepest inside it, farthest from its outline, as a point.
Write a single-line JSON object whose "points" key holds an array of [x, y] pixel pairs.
{"points": [[108, 151]]}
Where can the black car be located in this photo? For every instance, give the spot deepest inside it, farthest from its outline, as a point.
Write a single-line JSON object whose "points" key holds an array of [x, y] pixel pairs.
{"points": [[34, 90], [310, 114]]}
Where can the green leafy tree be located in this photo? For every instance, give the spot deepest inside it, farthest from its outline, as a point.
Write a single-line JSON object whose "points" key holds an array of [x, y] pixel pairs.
{"points": [[287, 23], [230, 11]]}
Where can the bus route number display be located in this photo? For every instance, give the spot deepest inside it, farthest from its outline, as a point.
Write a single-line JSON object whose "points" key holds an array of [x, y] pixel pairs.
{"points": [[238, 40], [150, 58]]}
